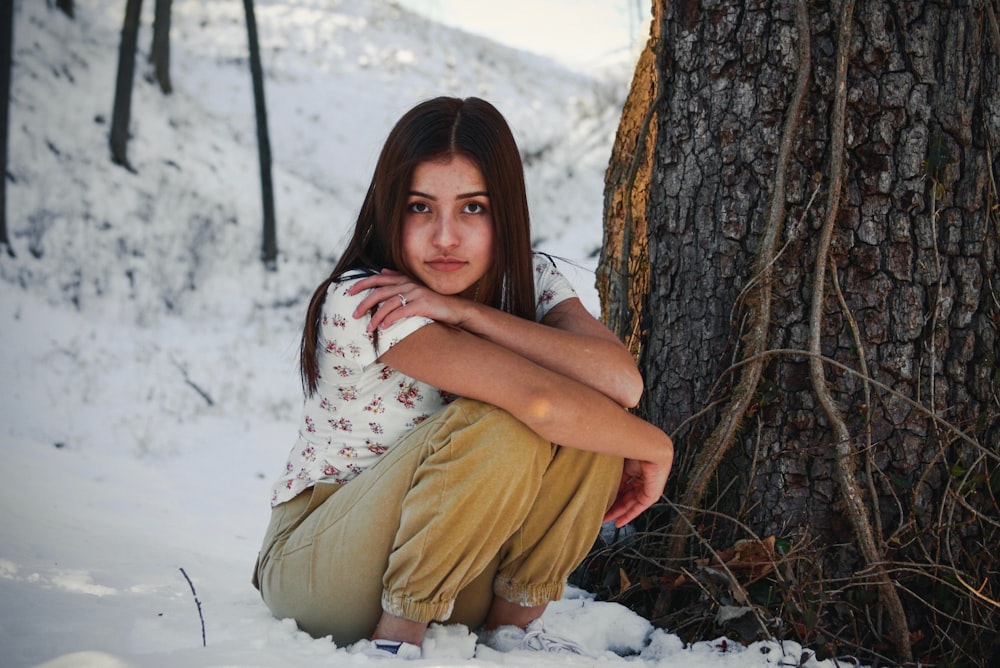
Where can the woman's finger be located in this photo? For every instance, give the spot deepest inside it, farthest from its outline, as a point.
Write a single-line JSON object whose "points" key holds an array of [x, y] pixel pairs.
{"points": [[387, 280], [389, 311], [386, 294]]}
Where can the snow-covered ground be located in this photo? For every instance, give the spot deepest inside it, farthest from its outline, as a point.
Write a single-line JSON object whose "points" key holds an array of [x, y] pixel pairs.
{"points": [[149, 390]]}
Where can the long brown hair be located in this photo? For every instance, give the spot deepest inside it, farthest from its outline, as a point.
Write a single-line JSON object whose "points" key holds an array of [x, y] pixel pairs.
{"points": [[438, 129]]}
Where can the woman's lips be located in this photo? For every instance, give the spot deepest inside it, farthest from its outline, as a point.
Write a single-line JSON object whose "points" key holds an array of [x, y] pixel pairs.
{"points": [[445, 264]]}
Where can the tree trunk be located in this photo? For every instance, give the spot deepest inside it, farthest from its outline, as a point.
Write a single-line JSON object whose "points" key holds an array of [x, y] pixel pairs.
{"points": [[817, 317], [159, 52], [122, 109], [6, 63], [623, 270], [269, 243]]}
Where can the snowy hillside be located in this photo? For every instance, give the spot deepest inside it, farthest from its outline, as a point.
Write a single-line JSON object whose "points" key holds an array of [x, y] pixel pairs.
{"points": [[336, 81], [149, 390]]}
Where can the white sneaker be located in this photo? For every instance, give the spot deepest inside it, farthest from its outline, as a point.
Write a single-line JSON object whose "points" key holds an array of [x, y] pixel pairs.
{"points": [[391, 649], [533, 638]]}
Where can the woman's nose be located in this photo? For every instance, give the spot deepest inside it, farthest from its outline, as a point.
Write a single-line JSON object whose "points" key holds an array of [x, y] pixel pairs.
{"points": [[444, 232]]}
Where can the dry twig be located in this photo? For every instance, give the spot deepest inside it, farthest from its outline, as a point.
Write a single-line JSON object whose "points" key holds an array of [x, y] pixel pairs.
{"points": [[198, 603]]}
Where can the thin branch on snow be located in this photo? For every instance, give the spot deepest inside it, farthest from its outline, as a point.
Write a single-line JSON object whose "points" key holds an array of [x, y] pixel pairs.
{"points": [[198, 603], [197, 388]]}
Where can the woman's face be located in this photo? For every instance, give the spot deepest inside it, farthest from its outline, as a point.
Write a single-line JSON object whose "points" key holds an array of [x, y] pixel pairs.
{"points": [[448, 226]]}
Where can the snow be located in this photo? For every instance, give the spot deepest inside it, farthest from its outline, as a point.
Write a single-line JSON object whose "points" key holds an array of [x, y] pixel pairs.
{"points": [[149, 388]]}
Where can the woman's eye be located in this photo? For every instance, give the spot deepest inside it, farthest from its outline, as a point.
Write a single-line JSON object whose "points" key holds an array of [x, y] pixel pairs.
{"points": [[474, 207], [419, 207]]}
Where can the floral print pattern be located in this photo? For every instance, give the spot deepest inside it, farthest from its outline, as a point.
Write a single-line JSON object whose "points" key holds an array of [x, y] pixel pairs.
{"points": [[362, 407]]}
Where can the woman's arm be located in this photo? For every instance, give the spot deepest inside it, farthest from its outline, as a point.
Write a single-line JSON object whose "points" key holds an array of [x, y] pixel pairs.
{"points": [[558, 408], [568, 341]]}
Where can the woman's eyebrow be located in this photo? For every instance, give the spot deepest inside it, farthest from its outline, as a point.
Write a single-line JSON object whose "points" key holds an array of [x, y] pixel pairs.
{"points": [[477, 193]]}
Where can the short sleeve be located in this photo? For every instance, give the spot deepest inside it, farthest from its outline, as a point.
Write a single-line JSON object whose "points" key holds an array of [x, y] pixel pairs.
{"points": [[344, 336], [551, 287]]}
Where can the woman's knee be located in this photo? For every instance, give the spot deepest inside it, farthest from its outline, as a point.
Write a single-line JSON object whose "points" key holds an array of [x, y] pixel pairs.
{"points": [[590, 472]]}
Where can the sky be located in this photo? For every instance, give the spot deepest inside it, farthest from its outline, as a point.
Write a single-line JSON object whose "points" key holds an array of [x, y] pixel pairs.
{"points": [[577, 33], [149, 393]]}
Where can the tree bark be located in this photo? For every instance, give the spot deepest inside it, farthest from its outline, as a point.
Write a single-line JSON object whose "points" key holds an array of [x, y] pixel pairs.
{"points": [[269, 243], [834, 385], [122, 109], [623, 269]]}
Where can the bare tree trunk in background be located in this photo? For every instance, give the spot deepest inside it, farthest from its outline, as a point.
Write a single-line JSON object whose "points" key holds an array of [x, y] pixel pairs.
{"points": [[159, 53], [122, 109], [6, 63], [802, 230], [269, 243]]}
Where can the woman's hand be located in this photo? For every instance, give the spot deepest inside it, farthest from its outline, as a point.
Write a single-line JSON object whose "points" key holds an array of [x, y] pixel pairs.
{"points": [[399, 296], [642, 486]]}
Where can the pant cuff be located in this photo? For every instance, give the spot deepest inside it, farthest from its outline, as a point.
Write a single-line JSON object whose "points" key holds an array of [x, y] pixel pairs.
{"points": [[417, 611], [527, 595]]}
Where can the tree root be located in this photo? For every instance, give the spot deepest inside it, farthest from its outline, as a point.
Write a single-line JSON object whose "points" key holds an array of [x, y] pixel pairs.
{"points": [[845, 471]]}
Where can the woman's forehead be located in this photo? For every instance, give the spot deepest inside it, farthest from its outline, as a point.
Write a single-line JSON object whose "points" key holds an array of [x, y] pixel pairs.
{"points": [[453, 171]]}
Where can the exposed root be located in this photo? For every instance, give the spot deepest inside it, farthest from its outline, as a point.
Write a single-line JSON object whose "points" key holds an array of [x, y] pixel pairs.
{"points": [[845, 472]]}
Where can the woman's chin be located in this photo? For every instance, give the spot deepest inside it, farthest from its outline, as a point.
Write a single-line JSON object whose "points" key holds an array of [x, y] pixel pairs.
{"points": [[450, 288]]}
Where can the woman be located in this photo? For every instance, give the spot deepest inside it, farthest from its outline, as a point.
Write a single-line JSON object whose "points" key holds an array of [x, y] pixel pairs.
{"points": [[442, 362]]}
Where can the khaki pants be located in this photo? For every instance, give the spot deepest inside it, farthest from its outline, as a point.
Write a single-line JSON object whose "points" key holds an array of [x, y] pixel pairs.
{"points": [[470, 504]]}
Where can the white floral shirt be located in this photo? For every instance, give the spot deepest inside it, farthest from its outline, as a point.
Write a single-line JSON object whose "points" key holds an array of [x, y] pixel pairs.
{"points": [[362, 407]]}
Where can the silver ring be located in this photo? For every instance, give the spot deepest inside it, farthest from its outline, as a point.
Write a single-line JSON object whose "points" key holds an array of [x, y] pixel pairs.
{"points": [[402, 299]]}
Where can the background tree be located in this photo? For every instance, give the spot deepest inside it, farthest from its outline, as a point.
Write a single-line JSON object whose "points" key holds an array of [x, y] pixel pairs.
{"points": [[65, 5], [159, 52], [269, 243], [122, 108], [801, 238], [6, 64]]}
